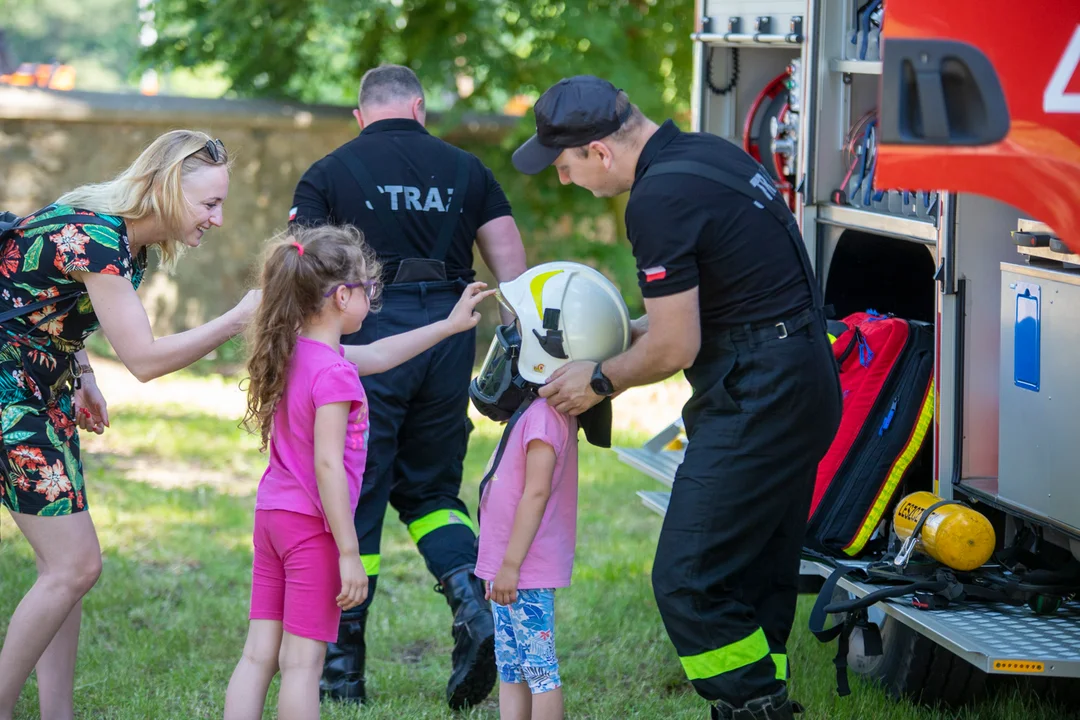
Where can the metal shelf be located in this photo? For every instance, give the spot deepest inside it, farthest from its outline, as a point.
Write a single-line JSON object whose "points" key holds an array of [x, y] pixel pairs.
{"points": [[1045, 253], [905, 228], [1034, 227], [856, 67]]}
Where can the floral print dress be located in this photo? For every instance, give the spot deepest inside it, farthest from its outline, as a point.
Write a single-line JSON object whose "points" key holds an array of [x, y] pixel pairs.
{"points": [[41, 464]]}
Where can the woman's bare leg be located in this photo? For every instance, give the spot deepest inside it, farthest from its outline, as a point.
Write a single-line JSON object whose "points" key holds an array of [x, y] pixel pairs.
{"points": [[69, 563]]}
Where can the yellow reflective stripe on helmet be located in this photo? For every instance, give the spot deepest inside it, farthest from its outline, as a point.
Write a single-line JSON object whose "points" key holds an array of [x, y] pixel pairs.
{"points": [[739, 654], [371, 563], [832, 338], [781, 665], [434, 521], [536, 287]]}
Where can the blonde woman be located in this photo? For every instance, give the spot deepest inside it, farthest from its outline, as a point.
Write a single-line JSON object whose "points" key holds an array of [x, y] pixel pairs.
{"points": [[64, 272]]}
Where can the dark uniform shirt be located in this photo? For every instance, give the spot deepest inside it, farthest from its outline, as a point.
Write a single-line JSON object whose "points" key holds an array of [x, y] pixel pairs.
{"points": [[689, 232], [415, 173]]}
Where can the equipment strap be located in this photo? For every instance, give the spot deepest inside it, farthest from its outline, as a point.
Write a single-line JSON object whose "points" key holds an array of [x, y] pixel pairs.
{"points": [[753, 188], [856, 616], [35, 306], [856, 335], [390, 224], [930, 592], [60, 220], [453, 212]]}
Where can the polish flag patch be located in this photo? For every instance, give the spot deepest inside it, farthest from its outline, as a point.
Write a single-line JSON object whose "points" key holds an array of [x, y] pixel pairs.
{"points": [[655, 273], [292, 214]]}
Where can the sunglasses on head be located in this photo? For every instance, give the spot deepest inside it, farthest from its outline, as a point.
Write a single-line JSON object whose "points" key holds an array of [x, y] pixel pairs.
{"points": [[215, 149], [370, 286]]}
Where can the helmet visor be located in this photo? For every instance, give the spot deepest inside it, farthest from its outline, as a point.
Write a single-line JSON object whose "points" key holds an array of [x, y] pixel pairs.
{"points": [[497, 370]]}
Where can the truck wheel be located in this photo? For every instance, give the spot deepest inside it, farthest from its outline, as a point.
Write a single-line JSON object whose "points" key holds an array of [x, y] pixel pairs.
{"points": [[912, 667]]}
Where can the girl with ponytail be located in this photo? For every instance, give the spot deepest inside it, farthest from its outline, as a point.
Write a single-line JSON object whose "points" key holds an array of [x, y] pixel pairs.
{"points": [[308, 404]]}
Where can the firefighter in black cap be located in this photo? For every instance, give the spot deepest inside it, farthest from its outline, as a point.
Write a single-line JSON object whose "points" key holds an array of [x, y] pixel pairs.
{"points": [[730, 298]]}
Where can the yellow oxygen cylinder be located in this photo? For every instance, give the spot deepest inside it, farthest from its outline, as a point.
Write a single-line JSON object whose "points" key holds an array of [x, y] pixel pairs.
{"points": [[954, 535]]}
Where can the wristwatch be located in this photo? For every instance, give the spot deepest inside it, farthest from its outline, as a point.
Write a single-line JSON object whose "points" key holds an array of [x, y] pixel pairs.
{"points": [[600, 383]]}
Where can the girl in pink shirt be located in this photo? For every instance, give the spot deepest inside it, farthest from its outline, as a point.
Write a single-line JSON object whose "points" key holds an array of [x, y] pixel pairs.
{"points": [[528, 532], [566, 316], [306, 399], [530, 506]]}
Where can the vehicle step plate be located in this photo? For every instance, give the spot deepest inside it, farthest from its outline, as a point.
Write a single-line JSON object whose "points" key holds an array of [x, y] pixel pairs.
{"points": [[655, 500], [658, 465], [997, 638]]}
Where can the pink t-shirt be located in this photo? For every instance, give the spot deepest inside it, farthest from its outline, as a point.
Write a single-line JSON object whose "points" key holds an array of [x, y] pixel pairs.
{"points": [[550, 560], [316, 376]]}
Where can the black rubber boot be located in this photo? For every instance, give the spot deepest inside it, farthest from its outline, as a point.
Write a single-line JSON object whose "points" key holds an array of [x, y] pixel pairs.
{"points": [[473, 675], [343, 668], [771, 707]]}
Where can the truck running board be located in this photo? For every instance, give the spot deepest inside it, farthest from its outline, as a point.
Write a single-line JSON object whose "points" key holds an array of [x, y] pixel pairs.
{"points": [[660, 457], [994, 637], [655, 500]]}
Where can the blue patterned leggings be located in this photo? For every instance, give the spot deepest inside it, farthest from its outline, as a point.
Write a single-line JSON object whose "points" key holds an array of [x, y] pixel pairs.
{"points": [[525, 641]]}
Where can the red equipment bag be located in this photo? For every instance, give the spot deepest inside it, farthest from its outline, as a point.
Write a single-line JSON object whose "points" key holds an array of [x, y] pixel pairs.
{"points": [[886, 374]]}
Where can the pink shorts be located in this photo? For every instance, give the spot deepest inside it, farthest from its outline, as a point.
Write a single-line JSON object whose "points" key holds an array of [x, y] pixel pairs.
{"points": [[294, 576]]}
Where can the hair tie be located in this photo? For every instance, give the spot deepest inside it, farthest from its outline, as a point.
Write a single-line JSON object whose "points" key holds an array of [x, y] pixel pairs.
{"points": [[299, 248]]}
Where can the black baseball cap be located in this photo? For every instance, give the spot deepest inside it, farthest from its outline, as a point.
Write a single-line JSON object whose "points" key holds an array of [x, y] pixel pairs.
{"points": [[571, 113]]}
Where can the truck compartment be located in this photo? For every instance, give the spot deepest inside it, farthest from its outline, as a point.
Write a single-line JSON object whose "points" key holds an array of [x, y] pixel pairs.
{"points": [[867, 271]]}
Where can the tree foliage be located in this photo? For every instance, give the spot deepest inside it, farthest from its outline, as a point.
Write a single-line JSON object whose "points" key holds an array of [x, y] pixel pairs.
{"points": [[316, 51]]}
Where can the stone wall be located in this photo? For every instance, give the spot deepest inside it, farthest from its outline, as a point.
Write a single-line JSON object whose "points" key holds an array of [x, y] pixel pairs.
{"points": [[53, 141]]}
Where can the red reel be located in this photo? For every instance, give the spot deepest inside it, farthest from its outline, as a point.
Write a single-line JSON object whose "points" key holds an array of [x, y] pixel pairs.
{"points": [[770, 107]]}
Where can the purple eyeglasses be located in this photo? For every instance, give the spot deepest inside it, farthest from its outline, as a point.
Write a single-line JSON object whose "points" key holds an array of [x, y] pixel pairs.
{"points": [[370, 286]]}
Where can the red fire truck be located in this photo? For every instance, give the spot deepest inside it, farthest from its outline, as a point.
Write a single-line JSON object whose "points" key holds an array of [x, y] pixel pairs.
{"points": [[931, 151]]}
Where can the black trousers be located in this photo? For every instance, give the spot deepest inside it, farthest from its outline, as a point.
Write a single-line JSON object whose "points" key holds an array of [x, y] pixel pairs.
{"points": [[419, 432], [762, 415]]}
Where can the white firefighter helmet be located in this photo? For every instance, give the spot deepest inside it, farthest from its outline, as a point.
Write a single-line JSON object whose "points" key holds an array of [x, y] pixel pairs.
{"points": [[567, 312]]}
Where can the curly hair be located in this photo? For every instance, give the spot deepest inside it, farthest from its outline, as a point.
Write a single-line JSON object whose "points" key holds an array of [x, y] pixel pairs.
{"points": [[294, 283]]}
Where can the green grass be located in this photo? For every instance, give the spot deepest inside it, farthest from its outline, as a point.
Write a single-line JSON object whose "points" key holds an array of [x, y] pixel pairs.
{"points": [[164, 626]]}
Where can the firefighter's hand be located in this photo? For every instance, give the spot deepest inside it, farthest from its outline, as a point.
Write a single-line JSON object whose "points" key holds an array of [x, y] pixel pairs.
{"points": [[568, 389], [503, 590]]}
